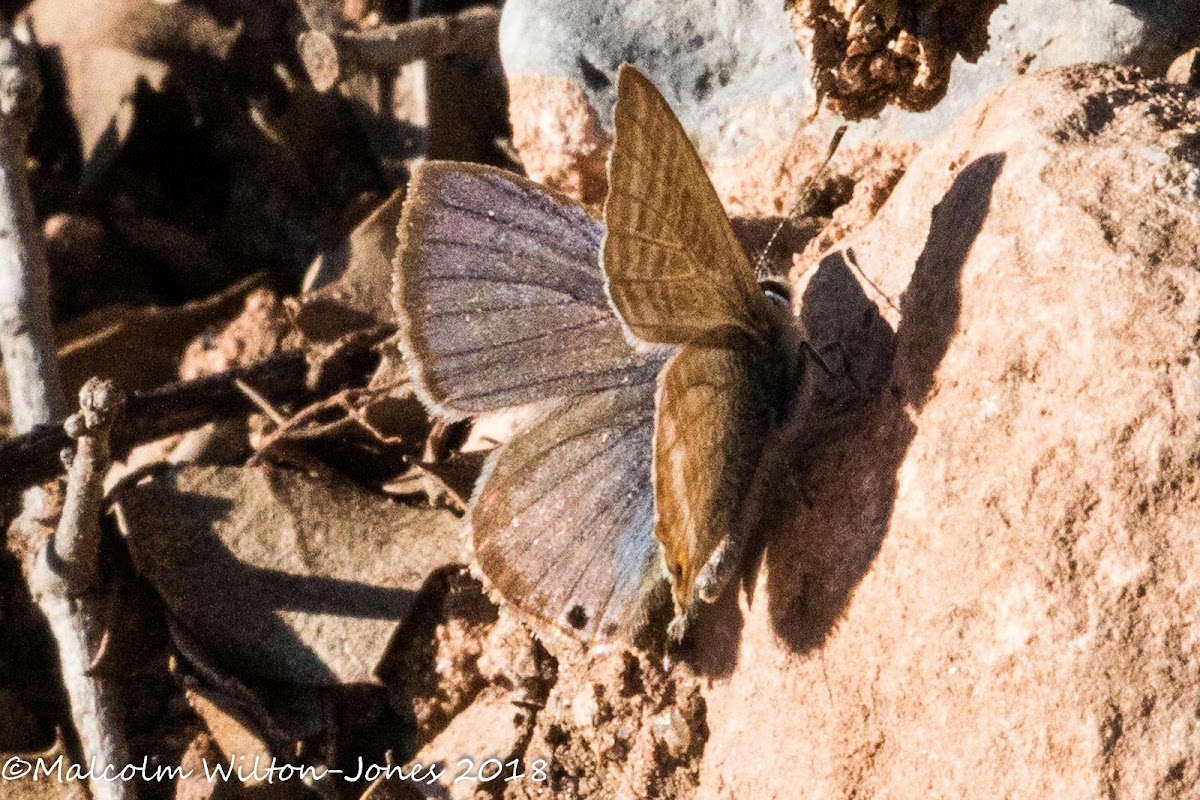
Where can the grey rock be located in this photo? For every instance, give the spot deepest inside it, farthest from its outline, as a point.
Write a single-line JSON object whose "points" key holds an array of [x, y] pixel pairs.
{"points": [[1029, 35], [715, 60], [707, 59]]}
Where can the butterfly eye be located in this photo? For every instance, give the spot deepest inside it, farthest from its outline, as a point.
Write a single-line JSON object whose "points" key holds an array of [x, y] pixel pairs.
{"points": [[777, 290]]}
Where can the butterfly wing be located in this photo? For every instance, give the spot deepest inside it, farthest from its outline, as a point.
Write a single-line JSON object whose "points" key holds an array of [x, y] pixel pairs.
{"points": [[563, 523], [716, 405], [499, 293], [673, 267]]}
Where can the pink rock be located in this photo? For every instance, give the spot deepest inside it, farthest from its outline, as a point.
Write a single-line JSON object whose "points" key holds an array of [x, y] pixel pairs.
{"points": [[990, 590]]}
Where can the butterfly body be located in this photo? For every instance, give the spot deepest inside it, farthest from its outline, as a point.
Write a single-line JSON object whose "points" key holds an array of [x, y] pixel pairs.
{"points": [[676, 275]]}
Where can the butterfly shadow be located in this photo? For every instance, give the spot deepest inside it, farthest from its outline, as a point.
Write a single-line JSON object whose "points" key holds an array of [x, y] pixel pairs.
{"points": [[834, 509]]}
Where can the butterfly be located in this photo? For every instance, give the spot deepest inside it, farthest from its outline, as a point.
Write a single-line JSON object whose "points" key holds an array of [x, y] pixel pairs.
{"points": [[660, 365]]}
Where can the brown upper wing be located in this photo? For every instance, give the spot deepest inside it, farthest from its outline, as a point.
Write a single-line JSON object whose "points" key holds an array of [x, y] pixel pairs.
{"points": [[673, 268], [715, 408]]}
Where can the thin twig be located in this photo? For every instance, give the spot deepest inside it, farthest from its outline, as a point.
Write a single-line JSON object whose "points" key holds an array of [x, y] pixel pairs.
{"points": [[284, 378], [304, 424], [329, 55], [264, 405], [69, 589], [26, 331], [65, 575]]}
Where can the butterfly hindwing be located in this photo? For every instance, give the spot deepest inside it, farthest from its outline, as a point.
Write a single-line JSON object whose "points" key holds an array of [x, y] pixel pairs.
{"points": [[716, 404], [499, 293], [672, 265], [563, 521]]}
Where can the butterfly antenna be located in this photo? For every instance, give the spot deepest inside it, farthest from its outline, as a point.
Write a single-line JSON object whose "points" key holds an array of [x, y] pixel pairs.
{"points": [[853, 261], [828, 688], [805, 189]]}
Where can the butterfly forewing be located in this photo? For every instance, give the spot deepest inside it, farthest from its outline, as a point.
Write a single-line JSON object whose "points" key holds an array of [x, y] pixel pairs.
{"points": [[499, 293], [671, 262], [563, 523], [716, 404]]}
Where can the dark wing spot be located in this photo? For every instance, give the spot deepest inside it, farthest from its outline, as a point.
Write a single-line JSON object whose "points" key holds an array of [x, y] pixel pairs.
{"points": [[577, 618]]}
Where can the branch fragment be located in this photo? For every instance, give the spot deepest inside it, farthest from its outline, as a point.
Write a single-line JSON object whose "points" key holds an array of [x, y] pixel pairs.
{"points": [[71, 592], [32, 458], [26, 332], [76, 543], [329, 56]]}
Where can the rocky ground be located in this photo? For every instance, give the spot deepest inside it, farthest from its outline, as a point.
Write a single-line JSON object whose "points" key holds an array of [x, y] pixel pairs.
{"points": [[983, 587]]}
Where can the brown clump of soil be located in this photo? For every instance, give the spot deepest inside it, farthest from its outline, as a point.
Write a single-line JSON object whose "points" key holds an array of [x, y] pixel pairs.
{"points": [[865, 54], [617, 725]]}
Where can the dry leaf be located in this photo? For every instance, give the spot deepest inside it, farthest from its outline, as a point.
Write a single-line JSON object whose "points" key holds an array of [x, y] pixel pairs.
{"points": [[282, 576], [350, 287], [139, 348]]}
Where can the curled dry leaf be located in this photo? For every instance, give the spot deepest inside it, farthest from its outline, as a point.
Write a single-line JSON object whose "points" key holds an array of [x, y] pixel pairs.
{"points": [[281, 576], [349, 287], [139, 348]]}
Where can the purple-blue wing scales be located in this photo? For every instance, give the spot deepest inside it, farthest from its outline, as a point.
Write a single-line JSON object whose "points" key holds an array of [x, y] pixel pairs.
{"points": [[563, 525], [499, 293]]}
